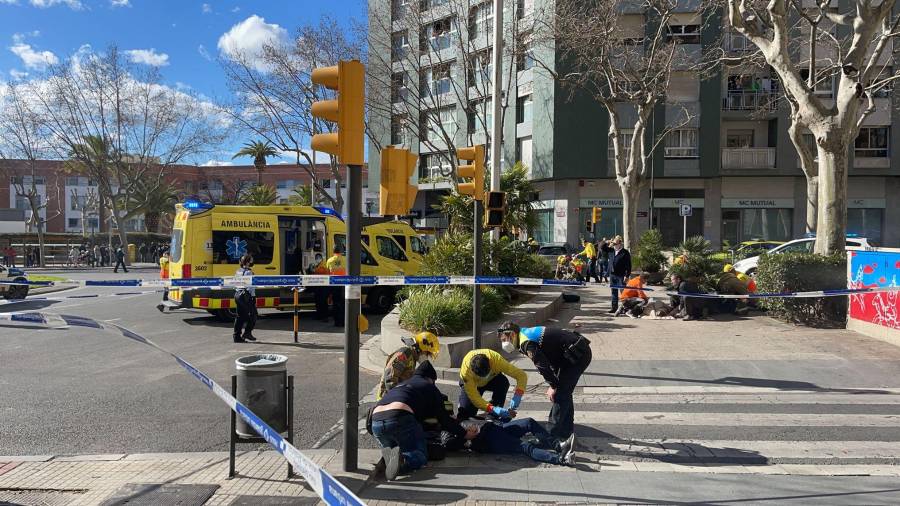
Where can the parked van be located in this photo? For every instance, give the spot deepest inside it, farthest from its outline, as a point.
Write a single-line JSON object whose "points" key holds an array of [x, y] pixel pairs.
{"points": [[208, 241], [406, 237]]}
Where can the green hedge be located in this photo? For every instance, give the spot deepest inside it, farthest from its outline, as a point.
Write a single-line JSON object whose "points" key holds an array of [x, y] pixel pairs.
{"points": [[649, 255], [798, 272], [448, 310]]}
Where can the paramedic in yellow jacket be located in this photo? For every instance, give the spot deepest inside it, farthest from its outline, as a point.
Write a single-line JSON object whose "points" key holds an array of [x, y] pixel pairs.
{"points": [[483, 370]]}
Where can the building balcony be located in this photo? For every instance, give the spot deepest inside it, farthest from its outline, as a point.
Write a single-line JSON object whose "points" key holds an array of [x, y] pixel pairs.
{"points": [[749, 100], [748, 158]]}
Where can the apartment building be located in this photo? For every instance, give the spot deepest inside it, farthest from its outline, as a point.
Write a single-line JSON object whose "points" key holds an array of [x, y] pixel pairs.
{"points": [[66, 194], [732, 160]]}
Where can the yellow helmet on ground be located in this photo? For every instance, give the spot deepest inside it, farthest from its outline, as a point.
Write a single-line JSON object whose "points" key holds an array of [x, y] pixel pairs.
{"points": [[728, 268], [428, 343]]}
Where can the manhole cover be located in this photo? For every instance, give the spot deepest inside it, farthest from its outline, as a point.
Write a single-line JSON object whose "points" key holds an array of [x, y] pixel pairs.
{"points": [[272, 500], [153, 494], [38, 497]]}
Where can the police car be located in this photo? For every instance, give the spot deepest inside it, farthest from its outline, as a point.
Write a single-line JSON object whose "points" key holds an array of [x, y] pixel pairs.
{"points": [[13, 291]]}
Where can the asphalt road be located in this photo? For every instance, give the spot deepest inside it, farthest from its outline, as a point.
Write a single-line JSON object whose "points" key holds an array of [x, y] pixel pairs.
{"points": [[82, 391]]}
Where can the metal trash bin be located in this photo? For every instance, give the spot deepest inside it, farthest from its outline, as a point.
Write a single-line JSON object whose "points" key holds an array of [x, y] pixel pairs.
{"points": [[261, 386]]}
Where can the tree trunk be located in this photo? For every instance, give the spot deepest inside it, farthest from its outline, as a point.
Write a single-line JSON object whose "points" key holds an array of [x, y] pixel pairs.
{"points": [[40, 233], [630, 194], [831, 223], [812, 202]]}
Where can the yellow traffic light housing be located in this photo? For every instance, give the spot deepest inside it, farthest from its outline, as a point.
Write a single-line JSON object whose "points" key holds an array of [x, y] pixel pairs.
{"points": [[495, 208], [473, 171], [596, 215], [347, 78], [397, 196]]}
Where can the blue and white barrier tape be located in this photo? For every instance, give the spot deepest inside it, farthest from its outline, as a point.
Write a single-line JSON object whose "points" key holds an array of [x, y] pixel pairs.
{"points": [[329, 489], [785, 295], [306, 280]]}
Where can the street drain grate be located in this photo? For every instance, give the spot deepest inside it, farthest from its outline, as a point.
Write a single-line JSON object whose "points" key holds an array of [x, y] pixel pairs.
{"points": [[160, 494], [273, 500], [37, 497]]}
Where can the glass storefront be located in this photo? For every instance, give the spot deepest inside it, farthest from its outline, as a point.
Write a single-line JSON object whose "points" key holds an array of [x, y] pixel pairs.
{"points": [[610, 224], [671, 224], [543, 230], [739, 225], [866, 223]]}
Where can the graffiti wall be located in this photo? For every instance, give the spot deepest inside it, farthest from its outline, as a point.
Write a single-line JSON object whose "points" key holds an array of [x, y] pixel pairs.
{"points": [[871, 268]]}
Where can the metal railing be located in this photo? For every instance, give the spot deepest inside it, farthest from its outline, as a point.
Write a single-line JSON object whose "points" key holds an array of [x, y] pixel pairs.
{"points": [[749, 100], [681, 152], [748, 158]]}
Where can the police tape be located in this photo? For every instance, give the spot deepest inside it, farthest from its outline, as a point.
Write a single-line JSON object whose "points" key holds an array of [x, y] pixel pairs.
{"points": [[305, 280], [326, 486], [784, 295]]}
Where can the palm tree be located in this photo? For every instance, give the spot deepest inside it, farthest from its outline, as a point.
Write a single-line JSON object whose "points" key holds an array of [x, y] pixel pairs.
{"points": [[155, 201], [303, 196], [260, 195], [259, 151]]}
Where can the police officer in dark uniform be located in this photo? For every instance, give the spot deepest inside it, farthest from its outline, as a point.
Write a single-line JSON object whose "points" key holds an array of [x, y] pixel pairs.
{"points": [[561, 357]]}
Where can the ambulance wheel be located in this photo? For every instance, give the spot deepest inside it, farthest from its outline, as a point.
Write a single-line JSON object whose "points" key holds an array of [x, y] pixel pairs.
{"points": [[224, 315], [380, 300]]}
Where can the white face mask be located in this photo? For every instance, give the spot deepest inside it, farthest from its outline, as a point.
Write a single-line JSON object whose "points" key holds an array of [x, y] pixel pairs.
{"points": [[508, 347]]}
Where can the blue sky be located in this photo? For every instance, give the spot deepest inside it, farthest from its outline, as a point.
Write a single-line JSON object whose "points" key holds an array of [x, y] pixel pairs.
{"points": [[182, 37]]}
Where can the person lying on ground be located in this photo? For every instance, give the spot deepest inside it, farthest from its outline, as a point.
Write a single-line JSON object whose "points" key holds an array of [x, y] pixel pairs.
{"points": [[506, 438]]}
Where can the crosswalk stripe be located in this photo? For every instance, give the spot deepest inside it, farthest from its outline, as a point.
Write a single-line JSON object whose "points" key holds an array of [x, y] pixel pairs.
{"points": [[767, 398], [717, 389], [727, 419]]}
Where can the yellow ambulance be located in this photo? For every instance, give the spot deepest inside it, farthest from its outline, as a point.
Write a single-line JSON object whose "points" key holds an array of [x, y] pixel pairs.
{"points": [[208, 240], [411, 244]]}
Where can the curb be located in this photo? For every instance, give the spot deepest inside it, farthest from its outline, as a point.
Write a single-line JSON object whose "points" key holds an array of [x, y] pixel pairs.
{"points": [[50, 289]]}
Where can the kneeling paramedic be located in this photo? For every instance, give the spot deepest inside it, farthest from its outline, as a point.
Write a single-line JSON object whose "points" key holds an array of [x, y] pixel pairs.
{"points": [[401, 364], [561, 357], [396, 421], [484, 370]]}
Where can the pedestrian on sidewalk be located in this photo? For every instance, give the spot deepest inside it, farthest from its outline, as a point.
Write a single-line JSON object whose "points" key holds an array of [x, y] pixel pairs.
{"points": [[619, 270], [245, 303], [98, 260], [486, 370], [142, 252], [164, 274], [396, 421], [506, 438], [120, 260], [337, 267], [603, 250], [561, 356], [590, 253], [401, 364]]}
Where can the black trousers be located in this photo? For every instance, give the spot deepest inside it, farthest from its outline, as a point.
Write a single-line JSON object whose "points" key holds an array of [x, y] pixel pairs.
{"points": [[246, 314], [337, 306], [594, 270], [499, 386], [118, 263], [320, 295], [562, 413]]}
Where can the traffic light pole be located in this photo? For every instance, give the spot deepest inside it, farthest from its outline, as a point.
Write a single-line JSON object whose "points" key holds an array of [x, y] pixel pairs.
{"points": [[476, 296], [351, 319]]}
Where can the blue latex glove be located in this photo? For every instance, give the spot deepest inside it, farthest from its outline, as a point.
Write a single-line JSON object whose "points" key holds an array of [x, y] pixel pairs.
{"points": [[516, 400], [500, 411]]}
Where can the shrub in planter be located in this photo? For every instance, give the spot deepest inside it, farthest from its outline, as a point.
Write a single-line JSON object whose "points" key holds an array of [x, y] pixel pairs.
{"points": [[448, 310], [649, 257], [800, 272], [695, 259]]}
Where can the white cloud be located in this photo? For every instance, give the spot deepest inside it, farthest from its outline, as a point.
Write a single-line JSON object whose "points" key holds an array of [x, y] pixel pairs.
{"points": [[206, 8], [203, 52], [249, 36], [31, 58], [148, 57], [120, 3], [236, 9], [17, 74], [43, 4], [217, 163], [9, 2]]}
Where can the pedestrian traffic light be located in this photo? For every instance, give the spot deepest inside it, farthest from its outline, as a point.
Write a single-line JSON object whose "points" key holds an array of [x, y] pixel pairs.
{"points": [[495, 208], [596, 215], [347, 78], [397, 195], [474, 171]]}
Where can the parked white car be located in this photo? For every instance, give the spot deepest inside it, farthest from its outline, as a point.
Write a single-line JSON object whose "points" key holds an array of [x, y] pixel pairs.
{"points": [[748, 265]]}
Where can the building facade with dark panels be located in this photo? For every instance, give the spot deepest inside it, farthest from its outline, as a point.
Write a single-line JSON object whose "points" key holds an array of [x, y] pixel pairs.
{"points": [[732, 161], [63, 191]]}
